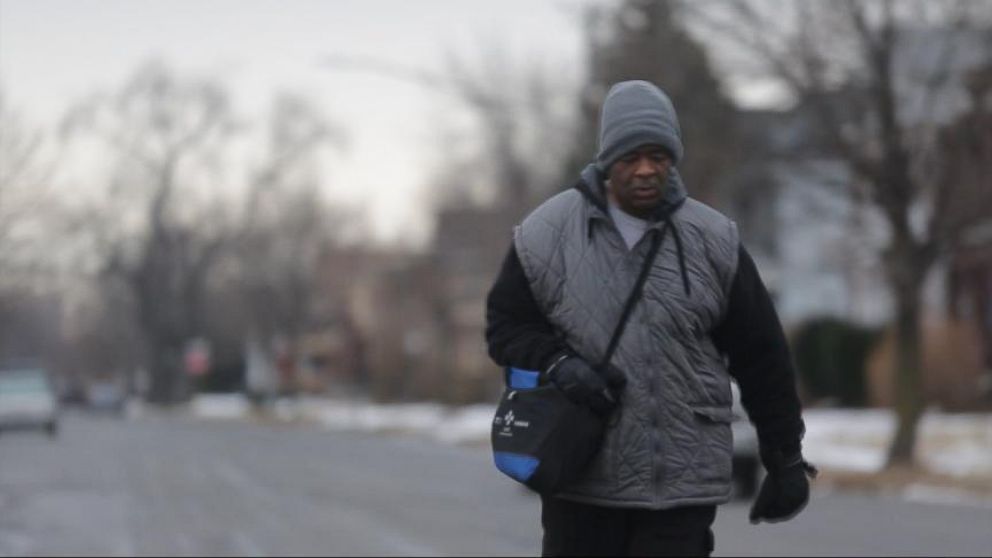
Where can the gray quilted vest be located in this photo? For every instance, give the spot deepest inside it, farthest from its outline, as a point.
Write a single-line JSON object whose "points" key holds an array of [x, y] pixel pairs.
{"points": [[669, 443]]}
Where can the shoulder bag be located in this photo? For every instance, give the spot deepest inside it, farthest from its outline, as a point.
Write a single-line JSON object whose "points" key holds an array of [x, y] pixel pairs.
{"points": [[540, 437]]}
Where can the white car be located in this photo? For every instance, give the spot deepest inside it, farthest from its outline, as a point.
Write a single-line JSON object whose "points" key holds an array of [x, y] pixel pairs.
{"points": [[28, 400], [747, 462]]}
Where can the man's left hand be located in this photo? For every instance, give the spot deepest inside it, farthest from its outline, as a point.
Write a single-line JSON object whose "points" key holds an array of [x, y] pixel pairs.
{"points": [[785, 490]]}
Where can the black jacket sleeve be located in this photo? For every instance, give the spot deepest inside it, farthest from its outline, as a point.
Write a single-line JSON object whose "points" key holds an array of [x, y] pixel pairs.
{"points": [[517, 332], [751, 338]]}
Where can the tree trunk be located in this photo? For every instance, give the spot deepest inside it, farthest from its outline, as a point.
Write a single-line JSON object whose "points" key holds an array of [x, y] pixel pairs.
{"points": [[907, 377]]}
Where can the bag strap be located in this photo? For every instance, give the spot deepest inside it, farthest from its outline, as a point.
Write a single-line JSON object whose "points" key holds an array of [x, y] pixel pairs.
{"points": [[656, 239]]}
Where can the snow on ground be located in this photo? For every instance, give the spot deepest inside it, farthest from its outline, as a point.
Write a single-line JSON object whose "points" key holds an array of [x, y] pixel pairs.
{"points": [[839, 439], [453, 425], [856, 440], [220, 406]]}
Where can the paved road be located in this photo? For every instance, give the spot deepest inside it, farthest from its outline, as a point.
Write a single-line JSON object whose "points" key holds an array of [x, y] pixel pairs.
{"points": [[161, 485]]}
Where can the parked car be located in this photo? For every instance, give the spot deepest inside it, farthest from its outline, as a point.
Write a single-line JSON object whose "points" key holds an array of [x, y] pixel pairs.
{"points": [[106, 397], [747, 461], [28, 400]]}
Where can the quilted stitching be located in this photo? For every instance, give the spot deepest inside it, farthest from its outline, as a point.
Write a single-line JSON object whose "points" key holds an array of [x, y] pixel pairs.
{"points": [[582, 281]]}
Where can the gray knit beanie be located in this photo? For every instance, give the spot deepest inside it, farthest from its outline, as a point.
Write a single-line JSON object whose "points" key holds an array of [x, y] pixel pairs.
{"points": [[636, 113]]}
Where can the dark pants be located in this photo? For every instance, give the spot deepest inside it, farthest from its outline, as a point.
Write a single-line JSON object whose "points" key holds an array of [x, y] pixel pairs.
{"points": [[573, 529]]}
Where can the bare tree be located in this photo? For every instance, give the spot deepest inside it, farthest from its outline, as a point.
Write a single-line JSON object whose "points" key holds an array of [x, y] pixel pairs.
{"points": [[506, 127], [523, 117], [882, 80], [520, 122], [155, 232], [24, 194], [287, 228]]}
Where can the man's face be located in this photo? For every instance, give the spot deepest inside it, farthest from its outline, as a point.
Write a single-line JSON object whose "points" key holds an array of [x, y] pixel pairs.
{"points": [[637, 180]]}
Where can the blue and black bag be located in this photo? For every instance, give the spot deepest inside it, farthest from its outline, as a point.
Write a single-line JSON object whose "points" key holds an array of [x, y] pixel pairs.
{"points": [[540, 437]]}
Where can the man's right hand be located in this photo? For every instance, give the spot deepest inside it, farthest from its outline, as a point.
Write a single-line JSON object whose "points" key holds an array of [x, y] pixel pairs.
{"points": [[584, 386]]}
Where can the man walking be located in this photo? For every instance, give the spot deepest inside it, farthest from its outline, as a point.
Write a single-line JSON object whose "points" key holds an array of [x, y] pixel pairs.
{"points": [[704, 317]]}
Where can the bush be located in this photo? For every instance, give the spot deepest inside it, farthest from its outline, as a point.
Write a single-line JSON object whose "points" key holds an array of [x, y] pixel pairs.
{"points": [[227, 375], [830, 355]]}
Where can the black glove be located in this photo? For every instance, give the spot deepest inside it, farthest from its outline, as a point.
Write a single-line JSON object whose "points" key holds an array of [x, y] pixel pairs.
{"points": [[785, 491], [584, 386]]}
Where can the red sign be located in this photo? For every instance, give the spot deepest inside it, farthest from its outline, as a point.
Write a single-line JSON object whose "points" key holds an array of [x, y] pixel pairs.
{"points": [[197, 357]]}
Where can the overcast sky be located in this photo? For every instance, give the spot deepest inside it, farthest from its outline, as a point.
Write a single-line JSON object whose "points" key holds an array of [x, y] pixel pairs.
{"points": [[55, 52]]}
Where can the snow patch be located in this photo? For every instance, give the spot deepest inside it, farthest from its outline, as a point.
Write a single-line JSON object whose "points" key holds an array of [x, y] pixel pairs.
{"points": [[220, 406], [840, 439], [857, 440]]}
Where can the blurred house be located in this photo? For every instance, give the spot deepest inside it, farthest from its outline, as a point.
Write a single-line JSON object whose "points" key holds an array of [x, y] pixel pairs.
{"points": [[411, 326], [331, 358], [376, 306], [330, 353], [814, 243], [469, 246], [970, 265], [396, 311], [971, 283]]}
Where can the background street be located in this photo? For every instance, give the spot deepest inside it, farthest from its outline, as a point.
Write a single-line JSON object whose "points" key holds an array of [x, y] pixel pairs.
{"points": [[264, 234], [174, 485]]}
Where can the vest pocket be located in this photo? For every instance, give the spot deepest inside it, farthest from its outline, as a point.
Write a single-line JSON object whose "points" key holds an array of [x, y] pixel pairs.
{"points": [[713, 456], [718, 414]]}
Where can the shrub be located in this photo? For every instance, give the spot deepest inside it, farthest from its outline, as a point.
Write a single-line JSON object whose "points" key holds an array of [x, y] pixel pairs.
{"points": [[830, 355]]}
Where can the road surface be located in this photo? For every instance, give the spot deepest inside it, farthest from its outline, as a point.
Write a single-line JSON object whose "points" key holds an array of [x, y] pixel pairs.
{"points": [[175, 486]]}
